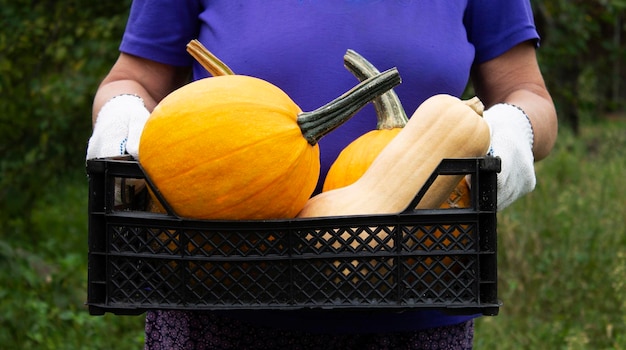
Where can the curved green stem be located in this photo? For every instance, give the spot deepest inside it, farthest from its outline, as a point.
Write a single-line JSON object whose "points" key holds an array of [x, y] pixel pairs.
{"points": [[323, 120], [389, 109]]}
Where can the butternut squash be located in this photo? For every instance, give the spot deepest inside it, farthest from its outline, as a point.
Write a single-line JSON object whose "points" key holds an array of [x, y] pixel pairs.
{"points": [[443, 126], [354, 160]]}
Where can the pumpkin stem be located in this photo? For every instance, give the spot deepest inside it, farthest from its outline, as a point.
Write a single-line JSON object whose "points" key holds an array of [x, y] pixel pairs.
{"points": [[389, 109], [208, 60], [323, 120]]}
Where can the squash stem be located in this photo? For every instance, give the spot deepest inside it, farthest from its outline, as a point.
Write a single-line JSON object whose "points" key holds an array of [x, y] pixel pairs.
{"points": [[209, 61], [476, 104], [317, 123], [389, 109]]}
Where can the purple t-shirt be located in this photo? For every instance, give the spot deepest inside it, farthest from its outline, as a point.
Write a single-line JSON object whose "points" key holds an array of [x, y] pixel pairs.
{"points": [[299, 45]]}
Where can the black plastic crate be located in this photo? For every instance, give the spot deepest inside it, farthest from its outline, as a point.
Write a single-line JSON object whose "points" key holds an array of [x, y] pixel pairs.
{"points": [[432, 259]]}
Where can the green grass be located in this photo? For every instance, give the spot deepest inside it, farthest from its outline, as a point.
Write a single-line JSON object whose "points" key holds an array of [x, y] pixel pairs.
{"points": [[43, 279], [562, 262]]}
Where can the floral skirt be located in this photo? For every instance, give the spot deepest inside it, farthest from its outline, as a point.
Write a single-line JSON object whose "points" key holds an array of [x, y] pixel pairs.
{"points": [[173, 330]]}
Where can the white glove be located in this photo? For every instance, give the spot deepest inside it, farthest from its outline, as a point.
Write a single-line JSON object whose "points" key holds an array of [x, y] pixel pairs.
{"points": [[511, 140], [118, 127]]}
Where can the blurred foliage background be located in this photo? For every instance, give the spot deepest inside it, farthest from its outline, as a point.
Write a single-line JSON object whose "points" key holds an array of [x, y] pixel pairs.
{"points": [[583, 57], [53, 55]]}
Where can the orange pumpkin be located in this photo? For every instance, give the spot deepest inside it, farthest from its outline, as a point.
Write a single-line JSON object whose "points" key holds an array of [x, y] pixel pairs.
{"points": [[354, 160]]}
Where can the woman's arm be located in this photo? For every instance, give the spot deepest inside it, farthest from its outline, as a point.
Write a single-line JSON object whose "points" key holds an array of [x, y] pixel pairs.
{"points": [[515, 78], [117, 116], [135, 75]]}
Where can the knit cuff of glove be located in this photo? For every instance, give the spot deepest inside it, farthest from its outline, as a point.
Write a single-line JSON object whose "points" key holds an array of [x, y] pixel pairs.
{"points": [[517, 119], [123, 102]]}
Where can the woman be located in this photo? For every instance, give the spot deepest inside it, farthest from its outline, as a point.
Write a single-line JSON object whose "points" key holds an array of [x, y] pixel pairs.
{"points": [[298, 45]]}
